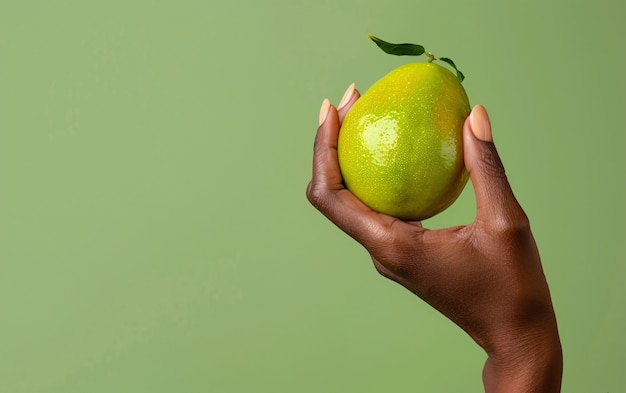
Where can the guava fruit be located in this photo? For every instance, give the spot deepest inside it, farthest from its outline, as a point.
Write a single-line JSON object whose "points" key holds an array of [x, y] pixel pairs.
{"points": [[400, 146]]}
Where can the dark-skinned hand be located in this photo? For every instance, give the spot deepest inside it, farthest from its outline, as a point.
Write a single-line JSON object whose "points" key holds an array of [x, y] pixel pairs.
{"points": [[486, 277]]}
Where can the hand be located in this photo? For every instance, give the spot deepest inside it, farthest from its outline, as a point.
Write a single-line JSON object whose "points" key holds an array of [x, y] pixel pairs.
{"points": [[486, 276]]}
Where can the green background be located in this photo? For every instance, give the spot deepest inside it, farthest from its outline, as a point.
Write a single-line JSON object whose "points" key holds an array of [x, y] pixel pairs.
{"points": [[155, 235]]}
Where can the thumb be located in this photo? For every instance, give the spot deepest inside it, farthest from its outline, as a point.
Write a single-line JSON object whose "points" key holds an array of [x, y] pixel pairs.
{"points": [[495, 202]]}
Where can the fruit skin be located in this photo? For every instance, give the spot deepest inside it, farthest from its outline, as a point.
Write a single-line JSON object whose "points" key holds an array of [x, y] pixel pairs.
{"points": [[400, 146]]}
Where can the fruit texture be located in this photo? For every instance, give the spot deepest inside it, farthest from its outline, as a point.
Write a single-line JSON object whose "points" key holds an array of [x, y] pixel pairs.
{"points": [[400, 146]]}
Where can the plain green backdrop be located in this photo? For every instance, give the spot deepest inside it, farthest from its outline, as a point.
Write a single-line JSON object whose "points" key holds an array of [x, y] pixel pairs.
{"points": [[155, 235]]}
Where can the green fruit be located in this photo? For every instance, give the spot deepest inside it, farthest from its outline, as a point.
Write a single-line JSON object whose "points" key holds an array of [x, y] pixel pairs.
{"points": [[400, 146]]}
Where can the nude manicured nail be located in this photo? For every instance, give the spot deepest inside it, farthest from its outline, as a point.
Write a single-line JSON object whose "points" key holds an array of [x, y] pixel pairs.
{"points": [[324, 111], [480, 123], [346, 96]]}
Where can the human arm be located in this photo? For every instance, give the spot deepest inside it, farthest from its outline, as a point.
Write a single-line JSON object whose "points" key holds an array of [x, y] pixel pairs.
{"points": [[486, 277]]}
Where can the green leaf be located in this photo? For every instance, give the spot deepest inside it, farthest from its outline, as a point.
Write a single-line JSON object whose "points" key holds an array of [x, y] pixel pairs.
{"points": [[459, 74], [398, 49], [412, 50]]}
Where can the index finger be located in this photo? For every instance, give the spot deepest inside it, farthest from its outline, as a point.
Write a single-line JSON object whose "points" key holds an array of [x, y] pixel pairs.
{"points": [[328, 194]]}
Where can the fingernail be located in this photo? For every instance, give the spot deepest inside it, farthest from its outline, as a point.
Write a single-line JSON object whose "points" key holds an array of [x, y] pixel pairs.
{"points": [[324, 111], [480, 123], [346, 96]]}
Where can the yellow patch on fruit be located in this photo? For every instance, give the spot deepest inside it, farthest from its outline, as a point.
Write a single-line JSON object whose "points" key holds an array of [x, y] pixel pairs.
{"points": [[400, 146]]}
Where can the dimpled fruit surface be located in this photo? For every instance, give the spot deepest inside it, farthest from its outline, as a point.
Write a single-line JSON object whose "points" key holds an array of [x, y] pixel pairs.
{"points": [[400, 146]]}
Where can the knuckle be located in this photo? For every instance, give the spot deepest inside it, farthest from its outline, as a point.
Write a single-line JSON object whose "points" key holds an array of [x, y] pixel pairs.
{"points": [[394, 254], [492, 164], [316, 195], [513, 224]]}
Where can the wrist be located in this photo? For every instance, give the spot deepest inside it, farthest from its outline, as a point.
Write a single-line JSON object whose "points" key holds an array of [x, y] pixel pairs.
{"points": [[530, 361]]}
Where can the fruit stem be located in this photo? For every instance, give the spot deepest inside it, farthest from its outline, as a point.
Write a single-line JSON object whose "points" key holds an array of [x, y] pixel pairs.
{"points": [[431, 57]]}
